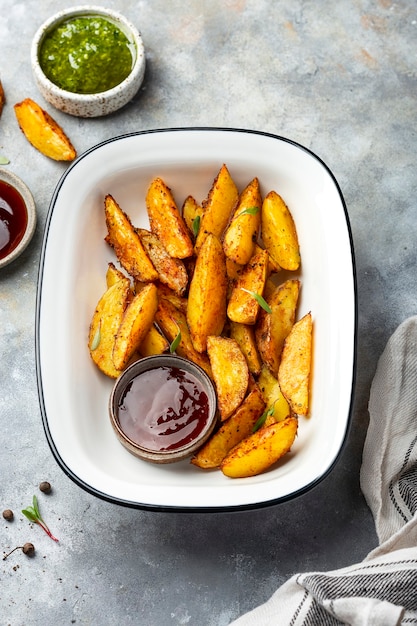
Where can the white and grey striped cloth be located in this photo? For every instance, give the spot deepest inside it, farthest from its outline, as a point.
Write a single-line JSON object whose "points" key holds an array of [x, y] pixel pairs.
{"points": [[382, 590]]}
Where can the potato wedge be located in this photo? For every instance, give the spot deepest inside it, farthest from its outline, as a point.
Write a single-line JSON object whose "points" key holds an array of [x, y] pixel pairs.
{"points": [[153, 343], [245, 336], [232, 431], [243, 306], [218, 207], [230, 373], [171, 271], [2, 98], [272, 328], [242, 233], [179, 302], [43, 132], [279, 233], [166, 221], [206, 309], [261, 450], [113, 274], [173, 324], [137, 320], [105, 323], [192, 212], [125, 241], [277, 406], [295, 367]]}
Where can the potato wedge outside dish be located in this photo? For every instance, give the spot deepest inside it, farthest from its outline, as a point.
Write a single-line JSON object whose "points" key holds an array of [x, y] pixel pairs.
{"points": [[261, 450], [43, 132]]}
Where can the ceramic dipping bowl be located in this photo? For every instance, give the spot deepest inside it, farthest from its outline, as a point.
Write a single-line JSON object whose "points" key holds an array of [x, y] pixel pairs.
{"points": [[163, 408], [17, 216], [74, 100]]}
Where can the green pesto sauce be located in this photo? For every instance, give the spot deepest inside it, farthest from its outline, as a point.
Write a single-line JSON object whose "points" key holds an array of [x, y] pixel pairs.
{"points": [[87, 54]]}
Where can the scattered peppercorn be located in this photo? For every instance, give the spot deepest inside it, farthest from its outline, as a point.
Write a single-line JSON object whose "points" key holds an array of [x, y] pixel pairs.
{"points": [[8, 515], [28, 549], [45, 487]]}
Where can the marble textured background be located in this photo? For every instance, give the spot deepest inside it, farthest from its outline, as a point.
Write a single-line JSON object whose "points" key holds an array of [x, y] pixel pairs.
{"points": [[337, 77]]}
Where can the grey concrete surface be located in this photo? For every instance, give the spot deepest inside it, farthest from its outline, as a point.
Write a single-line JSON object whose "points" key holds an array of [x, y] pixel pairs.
{"points": [[338, 77]]}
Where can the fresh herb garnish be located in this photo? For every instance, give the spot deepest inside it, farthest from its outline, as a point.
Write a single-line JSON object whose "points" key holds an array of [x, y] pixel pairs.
{"points": [[261, 301], [196, 225], [176, 341], [250, 210], [97, 338], [261, 421], [33, 515]]}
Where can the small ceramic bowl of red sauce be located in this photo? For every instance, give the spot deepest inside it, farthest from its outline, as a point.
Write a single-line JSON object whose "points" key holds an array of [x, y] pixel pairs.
{"points": [[163, 408], [17, 216]]}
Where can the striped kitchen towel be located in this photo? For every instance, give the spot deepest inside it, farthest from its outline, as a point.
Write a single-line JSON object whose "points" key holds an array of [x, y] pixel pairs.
{"points": [[382, 590]]}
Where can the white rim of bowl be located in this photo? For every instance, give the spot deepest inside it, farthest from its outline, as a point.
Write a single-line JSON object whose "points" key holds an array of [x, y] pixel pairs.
{"points": [[129, 30], [14, 181]]}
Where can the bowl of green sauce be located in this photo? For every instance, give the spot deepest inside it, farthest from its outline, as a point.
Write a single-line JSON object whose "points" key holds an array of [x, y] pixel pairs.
{"points": [[88, 60]]}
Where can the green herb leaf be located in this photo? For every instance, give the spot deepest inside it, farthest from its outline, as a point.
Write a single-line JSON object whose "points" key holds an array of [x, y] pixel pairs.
{"points": [[33, 515], [196, 225], [97, 338], [175, 343], [261, 421], [261, 301], [250, 210], [36, 507], [30, 514], [4, 160]]}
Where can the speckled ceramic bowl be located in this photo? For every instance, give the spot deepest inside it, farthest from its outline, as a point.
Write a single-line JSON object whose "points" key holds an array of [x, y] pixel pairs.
{"points": [[94, 104], [22, 240], [172, 363]]}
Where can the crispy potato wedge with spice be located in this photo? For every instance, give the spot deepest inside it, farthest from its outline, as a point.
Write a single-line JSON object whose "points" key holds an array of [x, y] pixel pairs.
{"points": [[166, 221], [243, 305], [230, 373], [206, 308], [261, 450], [295, 367], [232, 431], [171, 271], [153, 343], [272, 328], [125, 241], [245, 336], [192, 212], [137, 320], [173, 323], [113, 274], [242, 233], [279, 233], [2, 98], [218, 207], [43, 132], [277, 406], [179, 302], [105, 325]]}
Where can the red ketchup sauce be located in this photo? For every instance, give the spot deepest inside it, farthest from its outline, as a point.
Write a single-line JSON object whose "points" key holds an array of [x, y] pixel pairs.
{"points": [[164, 408], [13, 218]]}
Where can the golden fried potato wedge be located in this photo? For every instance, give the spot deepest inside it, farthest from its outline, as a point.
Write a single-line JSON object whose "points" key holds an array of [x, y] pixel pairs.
{"points": [[277, 407], [218, 207], [272, 328], [192, 212], [137, 320], [171, 271], [173, 323], [105, 325], [43, 132], [153, 343], [166, 221], [261, 450], [125, 241], [279, 233], [230, 373], [242, 233], [245, 336], [206, 309], [179, 302], [113, 274], [295, 367], [243, 306], [2, 98], [232, 431]]}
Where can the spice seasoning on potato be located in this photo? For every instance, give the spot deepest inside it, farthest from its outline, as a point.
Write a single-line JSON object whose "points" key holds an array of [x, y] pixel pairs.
{"points": [[242, 233], [279, 233]]}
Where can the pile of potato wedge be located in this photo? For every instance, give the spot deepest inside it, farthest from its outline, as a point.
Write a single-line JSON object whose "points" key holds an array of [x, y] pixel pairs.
{"points": [[218, 283]]}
